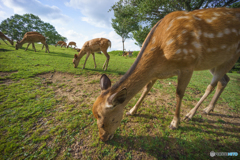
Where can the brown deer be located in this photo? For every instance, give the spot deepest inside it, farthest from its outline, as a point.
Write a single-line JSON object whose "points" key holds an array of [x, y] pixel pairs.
{"points": [[64, 44], [89, 47], [71, 43], [129, 54], [180, 43], [59, 43], [3, 37], [31, 37]]}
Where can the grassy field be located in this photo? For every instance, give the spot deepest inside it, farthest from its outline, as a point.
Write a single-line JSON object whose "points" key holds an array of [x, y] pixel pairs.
{"points": [[45, 111]]}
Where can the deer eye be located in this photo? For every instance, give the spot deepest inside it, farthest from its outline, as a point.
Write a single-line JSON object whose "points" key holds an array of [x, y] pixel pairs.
{"points": [[102, 126]]}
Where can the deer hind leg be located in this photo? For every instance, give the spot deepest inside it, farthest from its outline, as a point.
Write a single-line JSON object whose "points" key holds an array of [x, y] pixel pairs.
{"points": [[145, 92], [27, 46], [43, 47], [86, 60], [220, 87], [183, 80], [93, 55], [209, 90], [105, 65]]}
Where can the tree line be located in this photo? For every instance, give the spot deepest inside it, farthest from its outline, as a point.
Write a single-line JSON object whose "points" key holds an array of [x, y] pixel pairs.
{"points": [[16, 26]]}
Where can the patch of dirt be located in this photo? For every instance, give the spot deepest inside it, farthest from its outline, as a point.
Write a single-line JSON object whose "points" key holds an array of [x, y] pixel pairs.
{"points": [[4, 75]]}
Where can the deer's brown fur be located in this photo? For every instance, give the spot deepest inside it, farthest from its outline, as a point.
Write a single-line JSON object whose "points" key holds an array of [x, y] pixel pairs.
{"points": [[3, 37]]}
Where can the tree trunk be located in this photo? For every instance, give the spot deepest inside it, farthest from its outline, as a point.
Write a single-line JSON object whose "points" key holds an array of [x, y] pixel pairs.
{"points": [[123, 45]]}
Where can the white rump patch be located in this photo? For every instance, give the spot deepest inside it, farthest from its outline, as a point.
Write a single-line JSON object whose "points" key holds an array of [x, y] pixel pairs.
{"points": [[178, 51], [196, 44]]}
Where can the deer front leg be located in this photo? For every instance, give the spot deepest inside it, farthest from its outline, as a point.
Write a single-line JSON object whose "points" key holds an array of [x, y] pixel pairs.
{"points": [[145, 92], [34, 47], [94, 60], [86, 60], [27, 46], [183, 80]]}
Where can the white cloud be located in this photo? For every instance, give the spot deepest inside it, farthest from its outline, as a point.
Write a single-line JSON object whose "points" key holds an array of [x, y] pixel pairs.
{"points": [[48, 13], [3, 15], [95, 12]]}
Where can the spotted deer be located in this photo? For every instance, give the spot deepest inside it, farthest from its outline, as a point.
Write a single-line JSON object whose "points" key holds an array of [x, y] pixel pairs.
{"points": [[71, 43], [59, 43], [32, 37], [180, 43], [89, 47]]}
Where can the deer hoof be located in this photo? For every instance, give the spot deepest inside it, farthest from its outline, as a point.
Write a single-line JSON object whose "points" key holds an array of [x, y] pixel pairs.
{"points": [[172, 127]]}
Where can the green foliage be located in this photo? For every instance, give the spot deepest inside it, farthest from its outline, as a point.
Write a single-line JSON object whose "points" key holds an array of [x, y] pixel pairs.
{"points": [[16, 26], [145, 13], [124, 22]]}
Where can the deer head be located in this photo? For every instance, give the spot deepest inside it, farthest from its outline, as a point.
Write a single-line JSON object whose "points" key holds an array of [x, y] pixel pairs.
{"points": [[109, 112], [18, 45]]}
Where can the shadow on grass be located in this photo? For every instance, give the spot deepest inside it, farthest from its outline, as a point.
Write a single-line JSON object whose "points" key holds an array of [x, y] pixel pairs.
{"points": [[5, 50], [167, 147]]}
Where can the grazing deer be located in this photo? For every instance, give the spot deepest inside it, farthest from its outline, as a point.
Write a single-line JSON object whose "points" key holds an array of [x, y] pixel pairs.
{"points": [[129, 54], [89, 47], [64, 44], [3, 37], [59, 43], [31, 37], [180, 43], [71, 43]]}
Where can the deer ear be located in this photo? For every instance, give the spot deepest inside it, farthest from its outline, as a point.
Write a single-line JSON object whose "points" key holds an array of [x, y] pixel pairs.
{"points": [[105, 82], [117, 98], [75, 56]]}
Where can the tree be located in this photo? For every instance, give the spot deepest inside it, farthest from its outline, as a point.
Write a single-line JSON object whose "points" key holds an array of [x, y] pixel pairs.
{"points": [[124, 23], [147, 12], [16, 26]]}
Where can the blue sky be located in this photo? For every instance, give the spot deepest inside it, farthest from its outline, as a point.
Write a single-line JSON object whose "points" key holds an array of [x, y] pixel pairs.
{"points": [[78, 20]]}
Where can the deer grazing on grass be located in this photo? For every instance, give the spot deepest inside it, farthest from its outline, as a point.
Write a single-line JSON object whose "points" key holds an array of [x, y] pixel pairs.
{"points": [[59, 43], [180, 43], [3, 37], [31, 37], [89, 47], [71, 43], [64, 44]]}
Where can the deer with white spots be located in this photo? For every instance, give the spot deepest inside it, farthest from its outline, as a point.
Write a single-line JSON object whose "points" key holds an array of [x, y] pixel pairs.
{"points": [[180, 43]]}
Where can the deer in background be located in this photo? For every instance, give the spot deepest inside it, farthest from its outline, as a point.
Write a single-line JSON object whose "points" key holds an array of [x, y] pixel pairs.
{"points": [[31, 37], [59, 43], [3, 37], [89, 47], [180, 43], [64, 44], [71, 43]]}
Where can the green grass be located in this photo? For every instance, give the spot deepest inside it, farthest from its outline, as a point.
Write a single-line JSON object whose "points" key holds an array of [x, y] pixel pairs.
{"points": [[39, 120]]}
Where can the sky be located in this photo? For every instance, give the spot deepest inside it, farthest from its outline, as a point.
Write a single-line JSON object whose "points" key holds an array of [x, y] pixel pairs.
{"points": [[77, 20]]}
